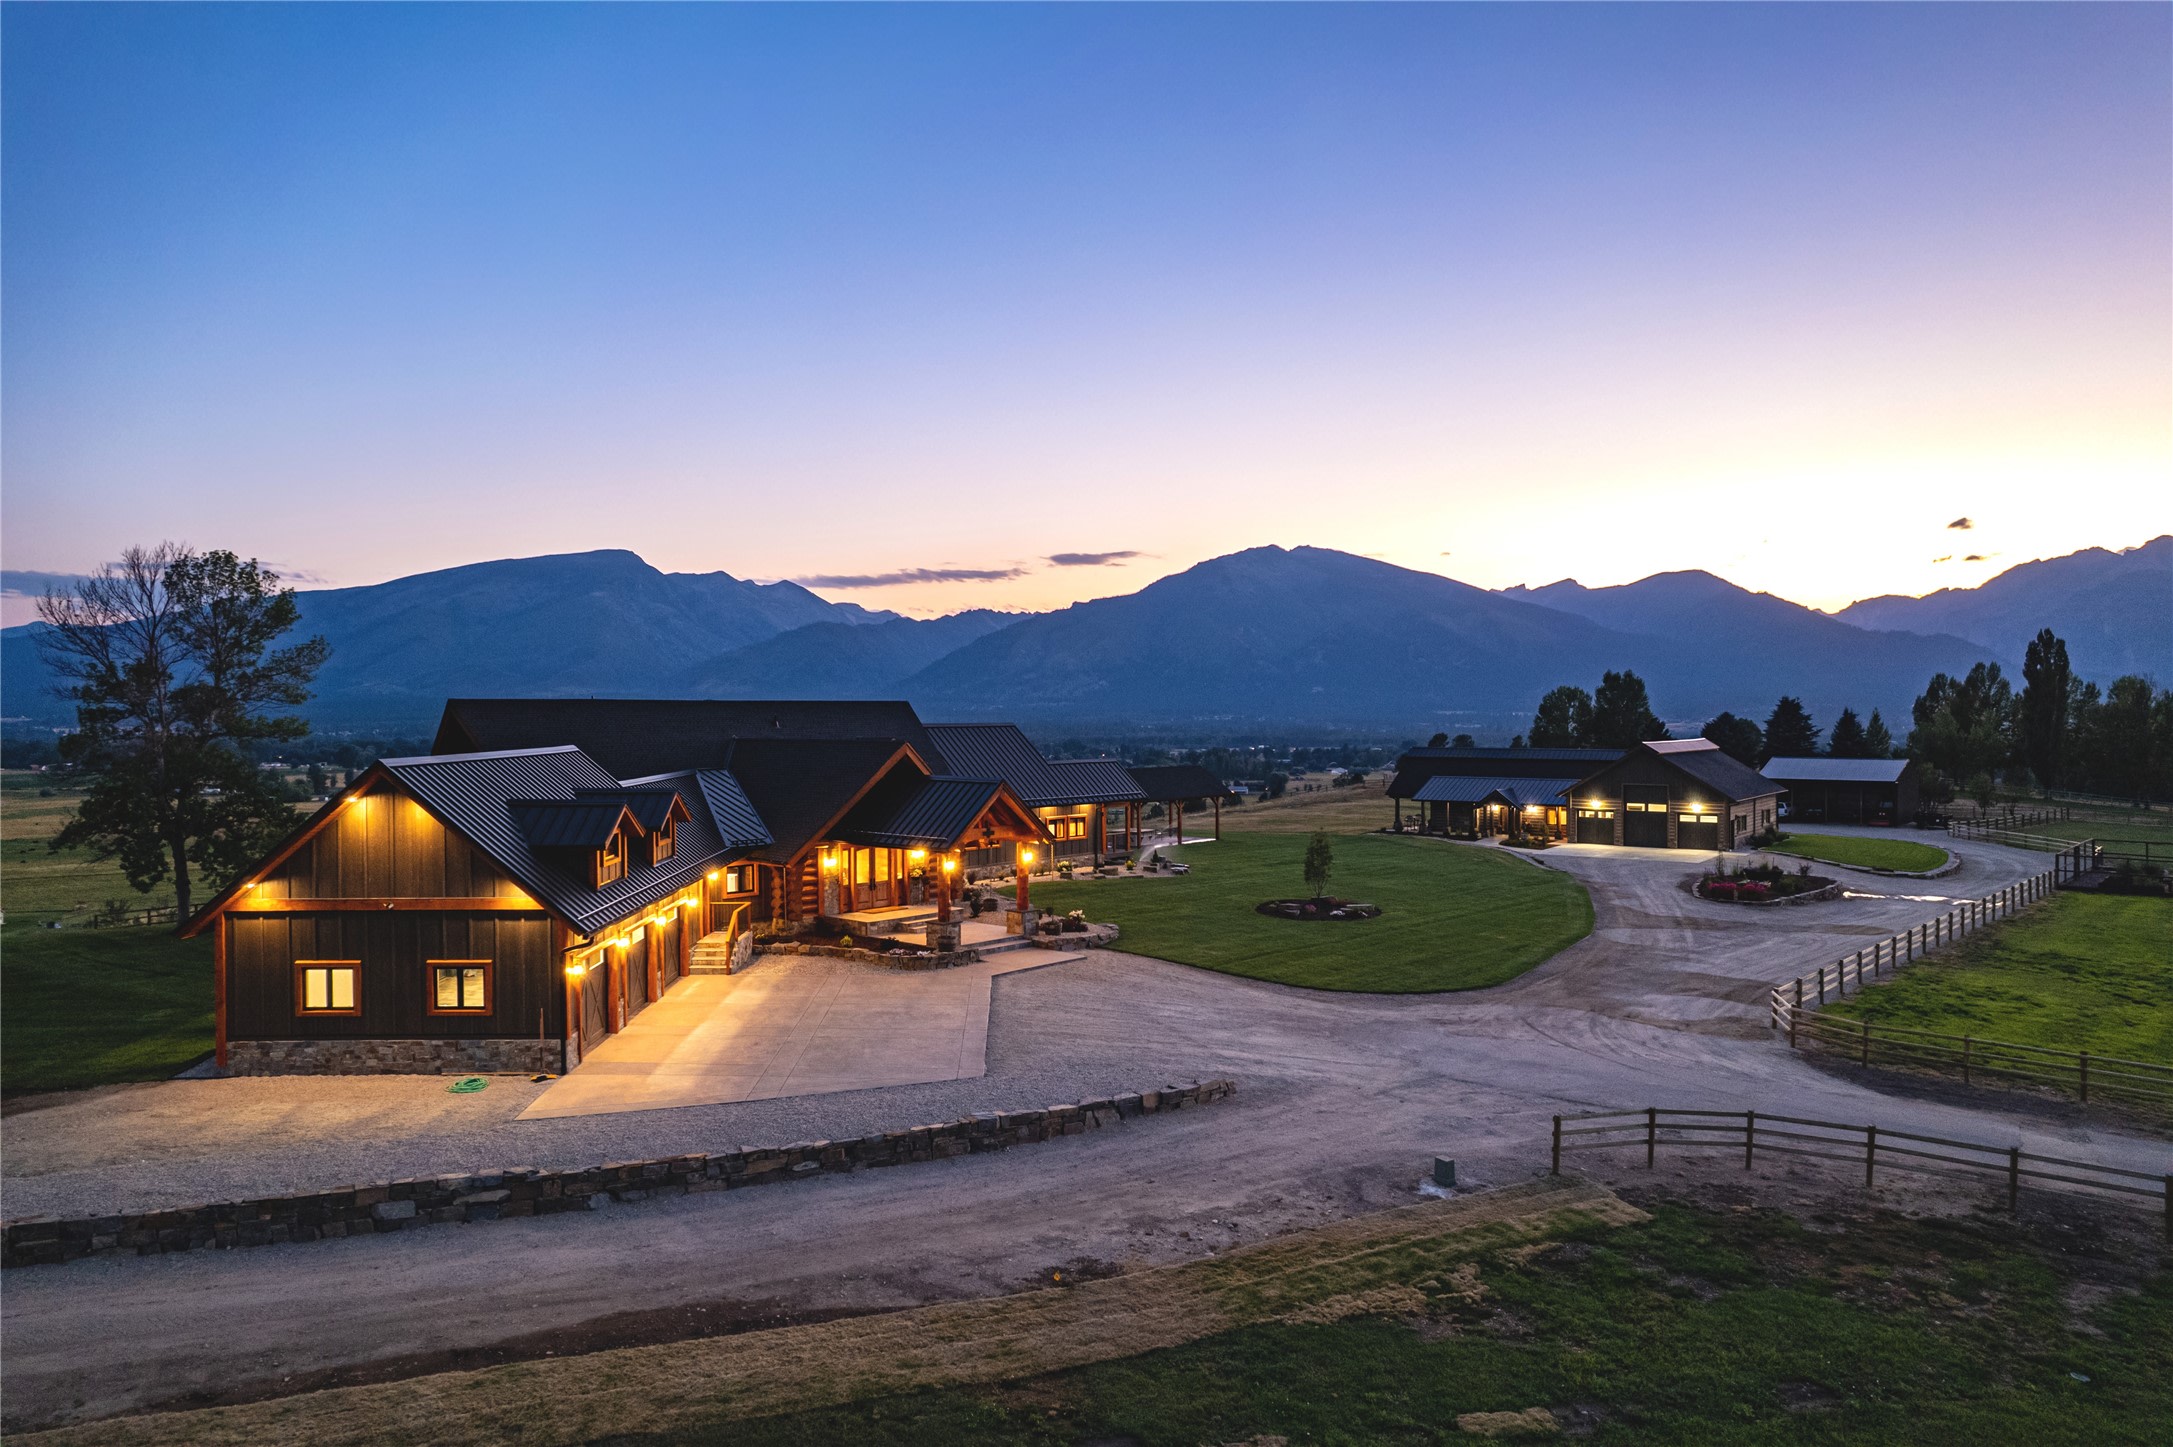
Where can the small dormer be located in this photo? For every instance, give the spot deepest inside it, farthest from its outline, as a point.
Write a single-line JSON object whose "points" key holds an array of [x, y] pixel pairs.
{"points": [[663, 840], [611, 859]]}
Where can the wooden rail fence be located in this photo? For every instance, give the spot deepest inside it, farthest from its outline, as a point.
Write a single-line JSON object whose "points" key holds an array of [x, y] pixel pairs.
{"points": [[1753, 1133], [1836, 981]]}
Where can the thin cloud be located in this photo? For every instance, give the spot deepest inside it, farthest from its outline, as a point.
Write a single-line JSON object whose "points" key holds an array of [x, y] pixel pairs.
{"points": [[1961, 525], [20, 583], [1947, 559], [1091, 560], [910, 575], [1978, 558]]}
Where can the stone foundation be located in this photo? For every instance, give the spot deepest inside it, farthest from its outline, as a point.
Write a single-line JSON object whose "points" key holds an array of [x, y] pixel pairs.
{"points": [[526, 1191], [391, 1057]]}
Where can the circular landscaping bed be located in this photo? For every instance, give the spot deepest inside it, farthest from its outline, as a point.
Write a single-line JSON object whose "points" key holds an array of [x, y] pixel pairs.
{"points": [[1765, 884], [1326, 907]]}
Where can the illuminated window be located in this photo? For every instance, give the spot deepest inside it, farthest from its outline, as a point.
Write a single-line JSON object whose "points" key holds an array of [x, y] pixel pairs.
{"points": [[611, 859], [460, 987], [663, 842], [739, 879], [327, 987], [1695, 818], [864, 866], [1068, 826], [882, 866]]}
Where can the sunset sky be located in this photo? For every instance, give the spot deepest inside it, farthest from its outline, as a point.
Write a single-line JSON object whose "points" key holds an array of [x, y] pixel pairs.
{"points": [[938, 308]]}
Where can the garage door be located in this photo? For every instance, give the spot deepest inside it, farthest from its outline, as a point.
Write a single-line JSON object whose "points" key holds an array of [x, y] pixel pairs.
{"points": [[1697, 831], [1645, 826], [1595, 826], [595, 1024]]}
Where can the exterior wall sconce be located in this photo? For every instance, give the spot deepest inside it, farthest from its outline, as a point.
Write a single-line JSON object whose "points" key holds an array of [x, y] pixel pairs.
{"points": [[575, 972], [950, 866]]}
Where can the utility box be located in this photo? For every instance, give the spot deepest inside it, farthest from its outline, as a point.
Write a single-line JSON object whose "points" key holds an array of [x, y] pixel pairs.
{"points": [[1444, 1173]]}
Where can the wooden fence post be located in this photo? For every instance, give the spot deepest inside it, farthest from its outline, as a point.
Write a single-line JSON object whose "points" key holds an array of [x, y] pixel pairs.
{"points": [[1750, 1144], [1822, 984], [2014, 1178], [1652, 1134], [1556, 1168], [1965, 1060], [2169, 1208], [1792, 1014]]}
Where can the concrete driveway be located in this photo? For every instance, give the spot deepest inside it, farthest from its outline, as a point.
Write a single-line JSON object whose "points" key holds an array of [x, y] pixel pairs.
{"points": [[775, 1031]]}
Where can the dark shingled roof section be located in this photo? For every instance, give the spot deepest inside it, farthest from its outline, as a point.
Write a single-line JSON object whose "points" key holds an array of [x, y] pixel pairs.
{"points": [[1418, 765], [1170, 782], [1097, 781], [640, 737], [999, 751], [1731, 778], [1456, 788], [475, 794], [798, 786], [908, 811]]}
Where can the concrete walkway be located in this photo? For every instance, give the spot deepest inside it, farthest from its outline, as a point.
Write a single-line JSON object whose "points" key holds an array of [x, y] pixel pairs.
{"points": [[768, 1033]]}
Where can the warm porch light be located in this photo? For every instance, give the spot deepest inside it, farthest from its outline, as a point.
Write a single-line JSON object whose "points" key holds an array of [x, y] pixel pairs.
{"points": [[950, 866], [1026, 856], [829, 861], [713, 875], [576, 971], [916, 855]]}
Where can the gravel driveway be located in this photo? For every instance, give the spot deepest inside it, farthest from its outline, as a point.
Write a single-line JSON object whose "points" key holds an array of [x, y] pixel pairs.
{"points": [[1342, 1098]]}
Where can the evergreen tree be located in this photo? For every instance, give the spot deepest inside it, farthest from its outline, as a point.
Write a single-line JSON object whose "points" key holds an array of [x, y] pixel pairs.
{"points": [[1847, 739], [169, 658], [1738, 738], [1962, 725], [2041, 717], [1564, 720], [1878, 741], [1622, 715], [1463, 741], [1790, 733]]}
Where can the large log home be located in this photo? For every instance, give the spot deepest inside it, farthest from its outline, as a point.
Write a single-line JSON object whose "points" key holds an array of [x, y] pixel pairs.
{"points": [[510, 899]]}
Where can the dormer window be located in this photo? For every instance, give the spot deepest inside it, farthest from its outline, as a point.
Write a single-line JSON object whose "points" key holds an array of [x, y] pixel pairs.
{"points": [[611, 859], [661, 842]]}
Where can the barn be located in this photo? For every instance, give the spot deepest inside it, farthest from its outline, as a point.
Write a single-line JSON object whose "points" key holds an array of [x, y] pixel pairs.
{"points": [[1847, 791]]}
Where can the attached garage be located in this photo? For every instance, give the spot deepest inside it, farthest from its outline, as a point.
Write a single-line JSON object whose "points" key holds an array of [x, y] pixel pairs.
{"points": [[1595, 826], [1697, 829]]}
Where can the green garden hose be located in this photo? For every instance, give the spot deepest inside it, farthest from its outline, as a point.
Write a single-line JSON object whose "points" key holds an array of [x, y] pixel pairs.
{"points": [[467, 1085]]}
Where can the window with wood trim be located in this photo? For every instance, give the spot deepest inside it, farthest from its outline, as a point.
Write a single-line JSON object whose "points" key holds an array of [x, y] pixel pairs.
{"points": [[739, 879], [460, 987], [1068, 826], [328, 987], [611, 859], [663, 842]]}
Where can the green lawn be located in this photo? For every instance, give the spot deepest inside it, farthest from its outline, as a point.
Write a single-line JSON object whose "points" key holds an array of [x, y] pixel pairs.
{"points": [[2078, 972], [81, 1006], [1905, 855], [1708, 1327], [1453, 918]]}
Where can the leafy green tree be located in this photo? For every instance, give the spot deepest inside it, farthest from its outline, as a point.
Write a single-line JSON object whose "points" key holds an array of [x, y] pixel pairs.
{"points": [[1962, 723], [1847, 740], [1622, 715], [1319, 863], [2125, 739], [1564, 720], [2041, 718], [1463, 741], [1738, 738], [1878, 740], [1439, 741], [1790, 733], [168, 657]]}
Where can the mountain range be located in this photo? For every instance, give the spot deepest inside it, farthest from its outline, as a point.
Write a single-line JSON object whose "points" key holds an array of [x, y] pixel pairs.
{"points": [[1260, 638]]}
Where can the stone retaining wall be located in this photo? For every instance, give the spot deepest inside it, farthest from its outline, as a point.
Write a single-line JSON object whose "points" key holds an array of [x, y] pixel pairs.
{"points": [[528, 1191], [935, 960], [392, 1057]]}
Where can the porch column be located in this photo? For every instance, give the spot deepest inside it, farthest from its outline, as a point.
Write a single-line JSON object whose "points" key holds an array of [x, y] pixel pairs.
{"points": [[1026, 862]]}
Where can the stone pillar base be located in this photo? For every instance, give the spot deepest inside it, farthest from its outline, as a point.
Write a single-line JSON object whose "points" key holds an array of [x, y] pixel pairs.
{"points": [[942, 936]]}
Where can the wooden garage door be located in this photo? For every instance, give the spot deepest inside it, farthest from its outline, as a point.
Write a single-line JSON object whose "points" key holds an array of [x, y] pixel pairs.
{"points": [[1644, 826], [595, 1019], [1697, 831], [1595, 826]]}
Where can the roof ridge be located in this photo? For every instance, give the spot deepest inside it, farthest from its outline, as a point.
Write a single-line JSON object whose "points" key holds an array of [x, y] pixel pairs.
{"points": [[481, 754]]}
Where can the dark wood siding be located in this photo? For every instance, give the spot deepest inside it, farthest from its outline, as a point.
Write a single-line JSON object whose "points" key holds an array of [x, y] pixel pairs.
{"points": [[394, 948], [385, 845]]}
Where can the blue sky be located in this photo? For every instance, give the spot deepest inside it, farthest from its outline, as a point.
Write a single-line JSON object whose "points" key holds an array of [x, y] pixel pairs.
{"points": [[841, 292]]}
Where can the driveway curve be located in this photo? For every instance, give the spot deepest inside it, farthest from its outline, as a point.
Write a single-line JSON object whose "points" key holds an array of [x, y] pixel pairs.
{"points": [[1342, 1099]]}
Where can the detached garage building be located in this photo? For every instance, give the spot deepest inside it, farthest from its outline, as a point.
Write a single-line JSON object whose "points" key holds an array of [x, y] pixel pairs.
{"points": [[1674, 794], [1847, 791]]}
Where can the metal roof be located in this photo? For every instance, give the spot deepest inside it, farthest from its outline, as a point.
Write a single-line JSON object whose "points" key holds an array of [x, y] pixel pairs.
{"points": [[922, 812], [1167, 783], [1000, 751], [1458, 789], [737, 822], [1836, 771], [476, 795], [637, 737], [1097, 781], [1602, 756], [1680, 746], [568, 823]]}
